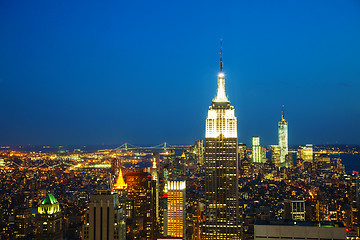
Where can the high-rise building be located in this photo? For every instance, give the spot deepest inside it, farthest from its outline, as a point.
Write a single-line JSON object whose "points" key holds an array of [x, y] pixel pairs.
{"points": [[176, 212], [323, 164], [164, 202], [49, 219], [120, 187], [275, 155], [305, 153], [355, 202], [155, 178], [283, 138], [142, 190], [256, 150], [104, 218], [199, 151], [221, 168]]}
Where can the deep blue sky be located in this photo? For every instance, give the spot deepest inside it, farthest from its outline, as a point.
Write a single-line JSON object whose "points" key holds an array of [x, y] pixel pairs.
{"points": [[92, 72]]}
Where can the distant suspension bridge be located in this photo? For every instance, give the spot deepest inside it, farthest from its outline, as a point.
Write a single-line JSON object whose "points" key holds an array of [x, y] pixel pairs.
{"points": [[164, 146]]}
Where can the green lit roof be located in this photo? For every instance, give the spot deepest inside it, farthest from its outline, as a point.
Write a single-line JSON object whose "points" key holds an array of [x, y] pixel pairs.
{"points": [[50, 199]]}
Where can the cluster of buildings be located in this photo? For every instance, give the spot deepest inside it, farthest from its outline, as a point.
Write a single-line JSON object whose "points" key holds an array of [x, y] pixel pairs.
{"points": [[218, 188]]}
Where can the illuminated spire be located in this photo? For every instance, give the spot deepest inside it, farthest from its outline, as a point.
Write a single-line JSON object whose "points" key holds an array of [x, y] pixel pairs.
{"points": [[120, 183], [282, 115], [221, 96], [221, 63]]}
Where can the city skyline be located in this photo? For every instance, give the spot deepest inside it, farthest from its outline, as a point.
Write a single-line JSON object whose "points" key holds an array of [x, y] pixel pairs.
{"points": [[76, 73]]}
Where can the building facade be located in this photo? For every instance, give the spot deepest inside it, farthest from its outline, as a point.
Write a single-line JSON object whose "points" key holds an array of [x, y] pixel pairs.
{"points": [[104, 218], [305, 153], [49, 220], [221, 168], [176, 212], [142, 191], [256, 150], [294, 210], [283, 139]]}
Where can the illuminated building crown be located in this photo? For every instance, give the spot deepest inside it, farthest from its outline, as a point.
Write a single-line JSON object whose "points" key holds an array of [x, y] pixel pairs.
{"points": [[49, 205], [120, 183], [221, 120], [221, 95]]}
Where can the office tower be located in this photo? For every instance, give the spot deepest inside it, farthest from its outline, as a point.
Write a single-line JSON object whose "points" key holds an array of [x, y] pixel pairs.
{"points": [[355, 202], [221, 168], [283, 138], [164, 202], [323, 164], [176, 215], [199, 151], [305, 153], [49, 219], [256, 150], [142, 190], [294, 210], [275, 155], [22, 223], [155, 178], [120, 187], [104, 218]]}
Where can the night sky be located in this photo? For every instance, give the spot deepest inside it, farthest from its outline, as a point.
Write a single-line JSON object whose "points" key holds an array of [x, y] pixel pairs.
{"points": [[145, 72]]}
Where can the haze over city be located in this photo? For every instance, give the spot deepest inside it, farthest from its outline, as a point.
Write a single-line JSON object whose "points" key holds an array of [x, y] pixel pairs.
{"points": [[144, 72]]}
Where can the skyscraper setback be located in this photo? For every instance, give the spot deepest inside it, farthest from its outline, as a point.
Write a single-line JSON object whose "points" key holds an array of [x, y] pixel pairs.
{"points": [[221, 167]]}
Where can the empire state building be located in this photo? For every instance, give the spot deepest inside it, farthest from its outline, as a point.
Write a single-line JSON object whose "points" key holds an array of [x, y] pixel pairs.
{"points": [[221, 168]]}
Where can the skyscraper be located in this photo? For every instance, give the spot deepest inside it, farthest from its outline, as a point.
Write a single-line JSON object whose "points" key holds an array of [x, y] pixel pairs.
{"points": [[305, 153], [283, 138], [256, 150], [49, 219], [275, 155], [154, 175], [221, 168], [120, 188], [176, 214], [104, 218], [142, 190]]}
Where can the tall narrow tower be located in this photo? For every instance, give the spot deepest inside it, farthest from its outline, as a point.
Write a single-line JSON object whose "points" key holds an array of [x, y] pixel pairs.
{"points": [[221, 166], [283, 138]]}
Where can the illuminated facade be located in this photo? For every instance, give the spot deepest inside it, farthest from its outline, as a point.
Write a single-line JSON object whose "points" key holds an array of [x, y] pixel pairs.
{"points": [[283, 139], [49, 219], [221, 168], [256, 150], [164, 203], [275, 155], [305, 153], [155, 178], [120, 187], [176, 214], [355, 202]]}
